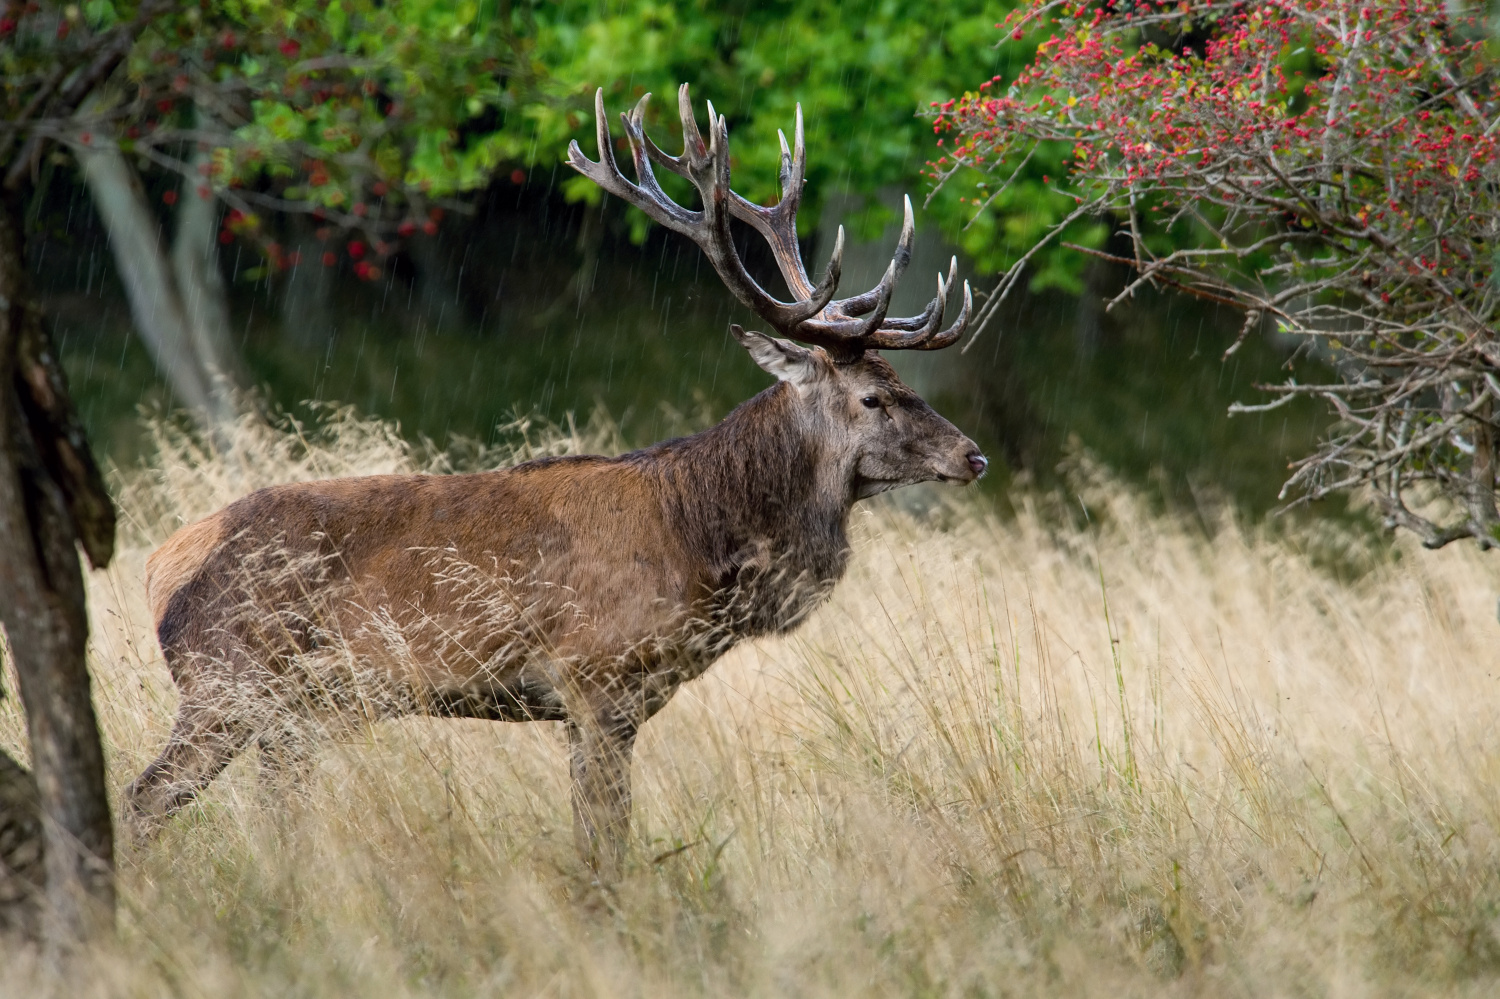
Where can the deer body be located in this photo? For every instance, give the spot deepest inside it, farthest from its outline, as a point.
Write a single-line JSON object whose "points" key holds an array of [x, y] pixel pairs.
{"points": [[580, 589], [630, 549]]}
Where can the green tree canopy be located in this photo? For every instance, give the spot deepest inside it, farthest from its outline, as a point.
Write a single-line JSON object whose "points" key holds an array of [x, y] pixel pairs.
{"points": [[376, 115]]}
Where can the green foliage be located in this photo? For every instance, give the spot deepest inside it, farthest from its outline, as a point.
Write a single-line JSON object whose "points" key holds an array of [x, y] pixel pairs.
{"points": [[359, 109], [370, 111], [862, 71]]}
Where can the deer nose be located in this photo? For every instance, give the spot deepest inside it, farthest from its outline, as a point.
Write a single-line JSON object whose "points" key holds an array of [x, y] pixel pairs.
{"points": [[978, 463]]}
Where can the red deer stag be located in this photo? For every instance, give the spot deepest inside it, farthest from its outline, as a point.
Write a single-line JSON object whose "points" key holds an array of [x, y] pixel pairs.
{"points": [[579, 589]]}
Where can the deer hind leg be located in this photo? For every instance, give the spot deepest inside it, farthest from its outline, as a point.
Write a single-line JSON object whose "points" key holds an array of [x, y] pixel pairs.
{"points": [[204, 740], [601, 745]]}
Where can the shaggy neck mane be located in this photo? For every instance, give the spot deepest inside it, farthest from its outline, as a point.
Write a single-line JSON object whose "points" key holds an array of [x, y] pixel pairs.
{"points": [[755, 479]]}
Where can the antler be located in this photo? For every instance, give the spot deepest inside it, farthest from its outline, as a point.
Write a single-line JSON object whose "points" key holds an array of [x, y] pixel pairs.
{"points": [[848, 325]]}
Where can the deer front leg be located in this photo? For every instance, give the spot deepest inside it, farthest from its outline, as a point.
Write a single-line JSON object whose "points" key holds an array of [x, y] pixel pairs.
{"points": [[600, 745]]}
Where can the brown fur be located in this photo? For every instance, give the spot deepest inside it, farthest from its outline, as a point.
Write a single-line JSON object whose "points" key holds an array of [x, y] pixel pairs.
{"points": [[176, 562], [583, 589]]}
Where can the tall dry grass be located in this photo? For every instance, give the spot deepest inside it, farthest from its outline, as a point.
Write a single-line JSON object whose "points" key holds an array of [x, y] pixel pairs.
{"points": [[1010, 757]]}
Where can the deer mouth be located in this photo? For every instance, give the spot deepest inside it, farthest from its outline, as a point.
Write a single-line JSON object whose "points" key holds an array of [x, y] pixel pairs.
{"points": [[970, 468], [865, 488]]}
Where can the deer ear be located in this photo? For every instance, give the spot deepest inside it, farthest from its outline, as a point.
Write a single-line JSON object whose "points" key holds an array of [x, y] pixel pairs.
{"points": [[782, 358]]}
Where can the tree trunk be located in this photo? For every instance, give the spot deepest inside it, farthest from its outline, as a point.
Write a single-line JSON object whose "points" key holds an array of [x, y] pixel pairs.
{"points": [[21, 862], [178, 307], [52, 500], [200, 286]]}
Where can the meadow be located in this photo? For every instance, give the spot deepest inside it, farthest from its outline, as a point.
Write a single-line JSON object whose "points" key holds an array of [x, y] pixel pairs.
{"points": [[1084, 748]]}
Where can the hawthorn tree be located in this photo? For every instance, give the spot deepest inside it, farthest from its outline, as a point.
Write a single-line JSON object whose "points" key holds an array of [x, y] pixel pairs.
{"points": [[1330, 166]]}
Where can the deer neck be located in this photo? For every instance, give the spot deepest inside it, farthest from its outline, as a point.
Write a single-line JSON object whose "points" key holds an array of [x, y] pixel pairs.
{"points": [[762, 489]]}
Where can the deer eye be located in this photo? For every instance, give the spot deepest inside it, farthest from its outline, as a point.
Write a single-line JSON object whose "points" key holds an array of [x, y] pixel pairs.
{"points": [[870, 402]]}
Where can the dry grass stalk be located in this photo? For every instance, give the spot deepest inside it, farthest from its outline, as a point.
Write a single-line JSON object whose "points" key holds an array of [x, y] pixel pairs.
{"points": [[934, 787]]}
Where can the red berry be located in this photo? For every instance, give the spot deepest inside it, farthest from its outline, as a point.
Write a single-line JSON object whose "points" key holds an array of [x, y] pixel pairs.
{"points": [[225, 236], [356, 249], [169, 197], [329, 259], [289, 47], [429, 227], [406, 228], [518, 176]]}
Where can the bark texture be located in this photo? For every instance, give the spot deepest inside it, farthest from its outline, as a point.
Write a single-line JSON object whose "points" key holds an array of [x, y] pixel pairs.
{"points": [[21, 862], [52, 500]]}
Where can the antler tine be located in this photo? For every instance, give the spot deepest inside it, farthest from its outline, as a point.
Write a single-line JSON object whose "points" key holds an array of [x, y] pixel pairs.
{"points": [[793, 166], [692, 139], [718, 154], [915, 336], [777, 225], [925, 335], [860, 304], [709, 169], [708, 228], [952, 334], [930, 317], [925, 338], [886, 288], [847, 326], [633, 122], [606, 173], [843, 334], [784, 176], [918, 328], [959, 327]]}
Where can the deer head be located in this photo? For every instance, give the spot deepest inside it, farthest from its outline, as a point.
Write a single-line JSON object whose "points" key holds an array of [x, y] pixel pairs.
{"points": [[845, 391]]}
